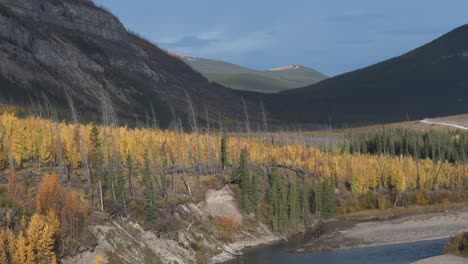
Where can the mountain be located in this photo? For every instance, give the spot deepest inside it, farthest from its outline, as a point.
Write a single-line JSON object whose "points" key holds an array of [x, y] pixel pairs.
{"points": [[49, 46], [429, 81], [242, 78]]}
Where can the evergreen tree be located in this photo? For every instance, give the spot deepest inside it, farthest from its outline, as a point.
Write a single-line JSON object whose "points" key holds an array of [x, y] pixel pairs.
{"points": [[243, 176], [254, 195], [130, 168], [273, 198], [294, 204], [224, 152], [120, 188], [329, 208], [96, 157], [305, 206], [283, 216]]}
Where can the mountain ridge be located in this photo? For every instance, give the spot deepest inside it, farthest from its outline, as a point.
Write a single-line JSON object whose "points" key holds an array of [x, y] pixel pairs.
{"points": [[244, 78], [47, 46], [427, 81]]}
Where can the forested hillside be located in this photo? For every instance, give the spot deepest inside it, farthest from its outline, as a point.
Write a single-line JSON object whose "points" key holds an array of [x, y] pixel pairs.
{"points": [[60, 174]]}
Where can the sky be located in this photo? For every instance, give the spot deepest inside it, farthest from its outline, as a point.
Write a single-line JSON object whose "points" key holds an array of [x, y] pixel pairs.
{"points": [[331, 36]]}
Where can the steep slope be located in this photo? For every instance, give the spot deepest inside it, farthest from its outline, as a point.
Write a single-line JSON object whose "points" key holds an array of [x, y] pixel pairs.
{"points": [[429, 81], [47, 46], [242, 78]]}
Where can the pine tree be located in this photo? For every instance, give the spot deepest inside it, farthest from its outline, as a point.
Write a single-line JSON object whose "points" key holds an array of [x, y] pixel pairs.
{"points": [[120, 189], [305, 206], [273, 198], [294, 204], [254, 195], [224, 152], [243, 175], [329, 208], [130, 166], [96, 156]]}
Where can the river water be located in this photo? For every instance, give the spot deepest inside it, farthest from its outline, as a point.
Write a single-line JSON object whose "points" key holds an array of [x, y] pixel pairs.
{"points": [[399, 253]]}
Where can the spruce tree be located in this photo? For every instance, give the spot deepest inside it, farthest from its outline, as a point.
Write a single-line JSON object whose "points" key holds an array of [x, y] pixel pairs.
{"points": [[305, 206], [254, 195], [244, 180], [130, 167], [294, 204], [329, 208], [224, 152], [96, 157], [283, 207], [273, 198]]}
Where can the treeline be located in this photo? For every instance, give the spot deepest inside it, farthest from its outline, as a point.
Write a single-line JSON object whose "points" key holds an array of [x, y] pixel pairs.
{"points": [[450, 145], [135, 171]]}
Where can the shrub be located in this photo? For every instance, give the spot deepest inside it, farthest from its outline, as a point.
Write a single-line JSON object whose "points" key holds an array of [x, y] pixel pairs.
{"points": [[458, 245], [420, 198], [382, 202], [229, 223]]}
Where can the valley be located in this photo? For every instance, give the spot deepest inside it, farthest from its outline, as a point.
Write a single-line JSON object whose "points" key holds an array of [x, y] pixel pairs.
{"points": [[114, 149]]}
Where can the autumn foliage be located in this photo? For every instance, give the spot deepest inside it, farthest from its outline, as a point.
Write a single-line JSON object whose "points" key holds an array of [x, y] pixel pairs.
{"points": [[49, 194]]}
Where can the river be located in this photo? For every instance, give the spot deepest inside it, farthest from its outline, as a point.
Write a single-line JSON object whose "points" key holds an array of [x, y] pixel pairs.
{"points": [[396, 253]]}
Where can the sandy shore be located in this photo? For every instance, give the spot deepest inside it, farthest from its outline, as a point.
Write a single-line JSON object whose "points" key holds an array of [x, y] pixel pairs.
{"points": [[402, 230], [444, 259]]}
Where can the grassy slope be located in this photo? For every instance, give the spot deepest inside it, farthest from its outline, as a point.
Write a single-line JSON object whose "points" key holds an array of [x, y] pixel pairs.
{"points": [[242, 78]]}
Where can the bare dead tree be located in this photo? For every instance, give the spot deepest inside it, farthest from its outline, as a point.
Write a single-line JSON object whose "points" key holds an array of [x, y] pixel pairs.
{"points": [[155, 120], [60, 155], [197, 135], [6, 145], [247, 121], [84, 155]]}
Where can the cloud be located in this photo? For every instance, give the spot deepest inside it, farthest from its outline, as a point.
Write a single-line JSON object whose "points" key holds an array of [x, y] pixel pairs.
{"points": [[216, 42]]}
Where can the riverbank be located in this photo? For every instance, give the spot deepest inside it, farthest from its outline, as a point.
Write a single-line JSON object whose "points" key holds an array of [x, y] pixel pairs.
{"points": [[445, 259], [390, 227]]}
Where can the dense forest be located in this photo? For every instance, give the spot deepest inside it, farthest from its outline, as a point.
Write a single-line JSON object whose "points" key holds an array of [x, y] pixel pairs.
{"points": [[58, 173]]}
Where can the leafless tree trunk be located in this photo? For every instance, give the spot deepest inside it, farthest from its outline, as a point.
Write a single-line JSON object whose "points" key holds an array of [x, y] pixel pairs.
{"points": [[247, 121], [6, 144], [84, 155], [197, 135]]}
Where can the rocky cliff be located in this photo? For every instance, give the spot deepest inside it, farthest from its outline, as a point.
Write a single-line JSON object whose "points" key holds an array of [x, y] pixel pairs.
{"points": [[47, 46]]}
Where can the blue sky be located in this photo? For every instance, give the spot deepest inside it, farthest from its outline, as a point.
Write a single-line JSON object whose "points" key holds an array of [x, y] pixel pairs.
{"points": [[332, 36]]}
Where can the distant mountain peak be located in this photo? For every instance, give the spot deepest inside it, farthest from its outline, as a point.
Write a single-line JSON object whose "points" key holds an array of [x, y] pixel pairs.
{"points": [[288, 67]]}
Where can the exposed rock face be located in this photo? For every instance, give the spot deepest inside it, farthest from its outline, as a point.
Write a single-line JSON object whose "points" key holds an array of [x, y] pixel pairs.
{"points": [[74, 15], [49, 45], [195, 237], [221, 203]]}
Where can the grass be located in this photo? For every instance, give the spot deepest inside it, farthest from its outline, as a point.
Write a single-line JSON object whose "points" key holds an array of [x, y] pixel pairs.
{"points": [[458, 245], [403, 211]]}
